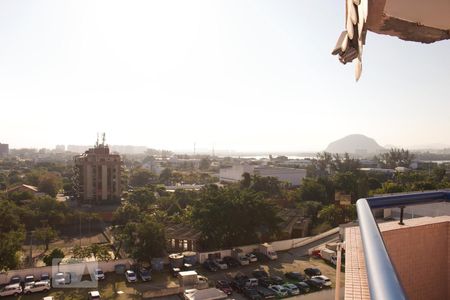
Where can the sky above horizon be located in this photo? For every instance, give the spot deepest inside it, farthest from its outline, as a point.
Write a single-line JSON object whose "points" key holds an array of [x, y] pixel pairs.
{"points": [[233, 74]]}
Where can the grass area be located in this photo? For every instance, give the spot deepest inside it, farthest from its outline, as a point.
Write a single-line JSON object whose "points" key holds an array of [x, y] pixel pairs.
{"points": [[113, 287]]}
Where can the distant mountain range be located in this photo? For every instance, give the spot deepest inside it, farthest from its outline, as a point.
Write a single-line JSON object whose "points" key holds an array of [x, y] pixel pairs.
{"points": [[355, 144]]}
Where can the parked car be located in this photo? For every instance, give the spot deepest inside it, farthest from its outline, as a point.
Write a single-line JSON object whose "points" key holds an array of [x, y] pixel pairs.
{"points": [[175, 271], [231, 261], [93, 295], [98, 274], [314, 283], [292, 289], [265, 292], [202, 279], [187, 267], [277, 280], [243, 260], [15, 279], [303, 287], [260, 274], [11, 290], [265, 282], [224, 286], [237, 285], [29, 280], [312, 272], [296, 276], [251, 282], [261, 257], [45, 277], [130, 276], [279, 290], [209, 265], [144, 273], [59, 279], [39, 286], [325, 279], [220, 264], [252, 294], [251, 257]]}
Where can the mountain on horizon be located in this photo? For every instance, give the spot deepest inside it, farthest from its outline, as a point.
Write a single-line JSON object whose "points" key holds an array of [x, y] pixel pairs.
{"points": [[355, 144]]}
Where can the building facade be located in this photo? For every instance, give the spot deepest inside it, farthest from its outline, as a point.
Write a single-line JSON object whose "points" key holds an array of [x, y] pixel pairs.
{"points": [[4, 149], [97, 175], [292, 176]]}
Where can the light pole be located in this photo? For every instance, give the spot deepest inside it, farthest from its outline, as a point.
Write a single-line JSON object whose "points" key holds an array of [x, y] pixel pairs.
{"points": [[338, 271]]}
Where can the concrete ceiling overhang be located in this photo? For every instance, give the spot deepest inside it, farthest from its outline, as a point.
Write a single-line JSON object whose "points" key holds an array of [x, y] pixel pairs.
{"points": [[424, 21]]}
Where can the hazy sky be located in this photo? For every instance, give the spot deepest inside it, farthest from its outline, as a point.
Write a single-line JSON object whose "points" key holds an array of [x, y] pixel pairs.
{"points": [[243, 75]]}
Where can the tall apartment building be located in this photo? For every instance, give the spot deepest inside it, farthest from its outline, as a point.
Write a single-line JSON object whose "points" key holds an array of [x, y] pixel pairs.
{"points": [[97, 175]]}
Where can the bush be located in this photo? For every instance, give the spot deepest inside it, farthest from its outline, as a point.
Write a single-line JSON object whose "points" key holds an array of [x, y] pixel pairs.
{"points": [[55, 254]]}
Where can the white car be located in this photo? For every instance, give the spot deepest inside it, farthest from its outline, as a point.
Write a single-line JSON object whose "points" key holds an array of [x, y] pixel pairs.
{"points": [[279, 290], [251, 257], [29, 280], [45, 277], [93, 295], [130, 276], [39, 286], [220, 264], [292, 289], [59, 279], [11, 290], [325, 280], [98, 274]]}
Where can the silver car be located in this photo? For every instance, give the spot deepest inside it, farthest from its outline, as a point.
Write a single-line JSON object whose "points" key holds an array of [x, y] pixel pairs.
{"points": [[39, 286]]}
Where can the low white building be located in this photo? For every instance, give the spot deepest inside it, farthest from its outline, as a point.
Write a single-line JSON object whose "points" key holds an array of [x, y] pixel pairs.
{"points": [[292, 176]]}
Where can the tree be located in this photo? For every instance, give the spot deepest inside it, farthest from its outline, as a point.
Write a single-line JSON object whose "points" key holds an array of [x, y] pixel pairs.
{"points": [[229, 217], [46, 234], [145, 240], [246, 180], [395, 158], [205, 163], [50, 183], [56, 254], [271, 186], [346, 163], [141, 177], [311, 190], [336, 214], [126, 213], [100, 252], [142, 198], [165, 176], [11, 243]]}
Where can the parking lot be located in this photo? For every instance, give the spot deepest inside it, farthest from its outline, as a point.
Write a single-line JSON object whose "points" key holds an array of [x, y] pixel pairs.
{"points": [[115, 286]]}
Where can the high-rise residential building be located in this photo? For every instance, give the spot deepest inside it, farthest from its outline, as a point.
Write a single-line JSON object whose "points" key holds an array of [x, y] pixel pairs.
{"points": [[4, 149], [97, 175]]}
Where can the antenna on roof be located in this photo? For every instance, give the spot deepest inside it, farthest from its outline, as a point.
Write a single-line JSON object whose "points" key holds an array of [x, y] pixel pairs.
{"points": [[103, 139], [96, 143]]}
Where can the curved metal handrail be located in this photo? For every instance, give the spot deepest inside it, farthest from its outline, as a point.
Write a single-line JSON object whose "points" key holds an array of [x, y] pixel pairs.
{"points": [[382, 277]]}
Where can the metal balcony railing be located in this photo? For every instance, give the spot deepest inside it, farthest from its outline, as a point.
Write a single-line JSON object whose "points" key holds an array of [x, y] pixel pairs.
{"points": [[382, 277]]}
